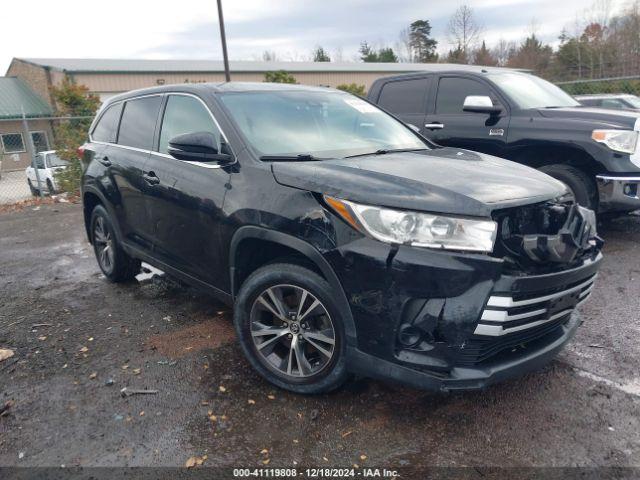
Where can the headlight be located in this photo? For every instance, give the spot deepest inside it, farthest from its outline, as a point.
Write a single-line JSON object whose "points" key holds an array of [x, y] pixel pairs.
{"points": [[617, 140], [416, 228]]}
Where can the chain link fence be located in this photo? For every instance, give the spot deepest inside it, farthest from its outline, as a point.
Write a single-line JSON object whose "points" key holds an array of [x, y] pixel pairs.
{"points": [[613, 85], [34, 152]]}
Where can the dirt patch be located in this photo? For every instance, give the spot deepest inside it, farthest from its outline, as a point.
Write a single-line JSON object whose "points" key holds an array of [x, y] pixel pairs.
{"points": [[38, 202], [211, 333]]}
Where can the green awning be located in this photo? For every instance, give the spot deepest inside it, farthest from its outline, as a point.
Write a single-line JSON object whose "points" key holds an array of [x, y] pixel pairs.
{"points": [[16, 95]]}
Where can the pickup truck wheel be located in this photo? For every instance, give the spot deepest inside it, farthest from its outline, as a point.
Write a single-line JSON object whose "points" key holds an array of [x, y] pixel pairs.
{"points": [[581, 184], [50, 189], [114, 262], [290, 329], [34, 191]]}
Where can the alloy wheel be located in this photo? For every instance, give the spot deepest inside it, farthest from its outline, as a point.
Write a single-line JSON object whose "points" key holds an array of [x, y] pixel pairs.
{"points": [[103, 244], [292, 331]]}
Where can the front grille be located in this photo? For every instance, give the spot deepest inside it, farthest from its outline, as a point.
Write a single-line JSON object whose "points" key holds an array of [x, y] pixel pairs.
{"points": [[505, 314], [480, 349]]}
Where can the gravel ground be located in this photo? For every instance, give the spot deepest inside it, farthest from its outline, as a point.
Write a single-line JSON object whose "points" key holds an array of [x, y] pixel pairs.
{"points": [[78, 340]]}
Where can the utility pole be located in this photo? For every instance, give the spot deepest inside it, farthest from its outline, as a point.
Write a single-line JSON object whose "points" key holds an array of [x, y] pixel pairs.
{"points": [[223, 36], [31, 151]]}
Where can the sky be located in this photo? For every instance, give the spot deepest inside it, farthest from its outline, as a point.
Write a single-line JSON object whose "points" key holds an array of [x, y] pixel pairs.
{"points": [[291, 28]]}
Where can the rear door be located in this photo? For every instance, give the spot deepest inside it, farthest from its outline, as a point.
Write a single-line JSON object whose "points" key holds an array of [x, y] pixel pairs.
{"points": [[184, 204], [127, 159], [449, 125], [406, 99]]}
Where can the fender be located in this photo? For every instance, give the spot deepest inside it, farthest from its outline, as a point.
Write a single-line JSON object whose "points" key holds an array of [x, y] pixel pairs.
{"points": [[309, 252], [107, 205]]}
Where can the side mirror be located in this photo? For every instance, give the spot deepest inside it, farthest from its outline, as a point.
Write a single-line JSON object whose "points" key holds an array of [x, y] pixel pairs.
{"points": [[480, 104], [197, 147]]}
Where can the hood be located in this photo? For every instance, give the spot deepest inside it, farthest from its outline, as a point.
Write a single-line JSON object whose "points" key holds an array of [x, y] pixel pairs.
{"points": [[613, 118], [443, 180]]}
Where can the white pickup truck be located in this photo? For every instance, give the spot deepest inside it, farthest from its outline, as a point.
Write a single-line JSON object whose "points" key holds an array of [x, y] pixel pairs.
{"points": [[48, 163]]}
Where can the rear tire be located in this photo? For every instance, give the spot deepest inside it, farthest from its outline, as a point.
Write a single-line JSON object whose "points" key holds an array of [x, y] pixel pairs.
{"points": [[581, 184], [114, 262], [304, 350]]}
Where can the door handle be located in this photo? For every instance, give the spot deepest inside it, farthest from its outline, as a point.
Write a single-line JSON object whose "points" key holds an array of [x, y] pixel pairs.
{"points": [[151, 178], [434, 126], [105, 161]]}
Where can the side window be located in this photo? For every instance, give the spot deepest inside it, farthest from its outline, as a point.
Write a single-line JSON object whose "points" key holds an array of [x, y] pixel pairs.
{"points": [[452, 91], [613, 103], [138, 122], [40, 161], [591, 103], [185, 114], [404, 97], [107, 127]]}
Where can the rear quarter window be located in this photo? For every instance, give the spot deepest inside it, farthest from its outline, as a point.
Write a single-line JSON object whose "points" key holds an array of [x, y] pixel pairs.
{"points": [[138, 122], [107, 126], [404, 96]]}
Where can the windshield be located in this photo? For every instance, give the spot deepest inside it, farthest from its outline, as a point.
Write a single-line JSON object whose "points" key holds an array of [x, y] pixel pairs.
{"points": [[55, 161], [321, 124], [528, 91], [632, 100]]}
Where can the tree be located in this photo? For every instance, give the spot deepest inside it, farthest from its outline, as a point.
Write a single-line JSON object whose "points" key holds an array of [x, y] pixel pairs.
{"points": [[279, 76], [72, 100], [269, 56], [320, 55], [483, 56], [503, 51], [463, 30], [367, 54], [422, 46], [353, 88], [532, 55], [387, 55], [384, 54], [457, 55]]}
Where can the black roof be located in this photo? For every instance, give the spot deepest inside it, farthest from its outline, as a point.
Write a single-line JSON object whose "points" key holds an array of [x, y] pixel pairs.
{"points": [[217, 88]]}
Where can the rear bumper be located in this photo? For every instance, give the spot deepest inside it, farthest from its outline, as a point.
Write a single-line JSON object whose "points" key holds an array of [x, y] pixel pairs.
{"points": [[618, 193], [464, 378]]}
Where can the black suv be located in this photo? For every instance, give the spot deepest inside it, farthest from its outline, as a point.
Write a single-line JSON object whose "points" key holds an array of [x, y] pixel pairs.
{"points": [[346, 242], [526, 119]]}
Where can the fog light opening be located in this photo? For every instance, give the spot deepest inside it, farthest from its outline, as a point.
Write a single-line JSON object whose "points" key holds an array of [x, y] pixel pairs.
{"points": [[408, 335]]}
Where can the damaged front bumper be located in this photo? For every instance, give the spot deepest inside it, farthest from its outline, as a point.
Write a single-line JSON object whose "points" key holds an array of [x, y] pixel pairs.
{"points": [[447, 321], [618, 193]]}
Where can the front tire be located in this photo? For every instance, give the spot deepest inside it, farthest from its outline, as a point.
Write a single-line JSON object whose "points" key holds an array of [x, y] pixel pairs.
{"points": [[291, 329], [581, 184], [50, 189], [34, 191], [114, 262]]}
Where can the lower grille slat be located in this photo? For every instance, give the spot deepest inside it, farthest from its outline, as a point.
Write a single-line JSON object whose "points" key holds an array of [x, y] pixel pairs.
{"points": [[506, 314]]}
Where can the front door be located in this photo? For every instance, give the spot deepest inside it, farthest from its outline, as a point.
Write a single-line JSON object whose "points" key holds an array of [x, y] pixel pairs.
{"points": [[449, 125], [185, 204]]}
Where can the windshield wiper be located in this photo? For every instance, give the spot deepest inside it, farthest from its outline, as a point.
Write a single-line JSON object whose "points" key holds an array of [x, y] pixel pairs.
{"points": [[384, 151], [304, 157]]}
